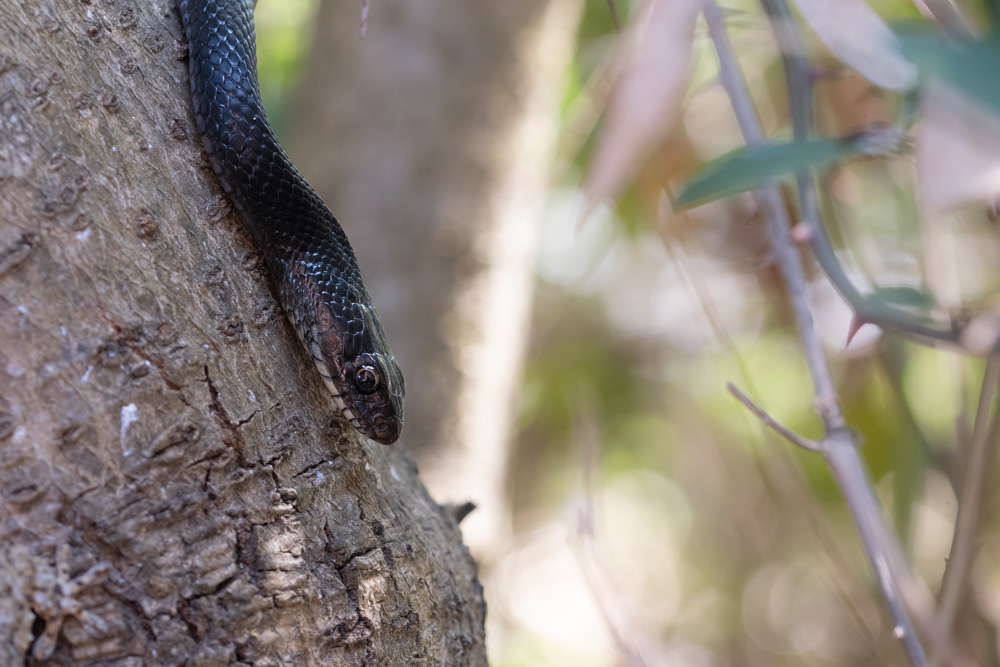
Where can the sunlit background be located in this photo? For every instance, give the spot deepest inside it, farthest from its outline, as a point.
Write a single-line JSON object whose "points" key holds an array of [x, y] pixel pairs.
{"points": [[652, 514]]}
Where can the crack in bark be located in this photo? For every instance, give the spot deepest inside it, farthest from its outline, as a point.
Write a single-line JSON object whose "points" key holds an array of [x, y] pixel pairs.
{"points": [[231, 437], [308, 469]]}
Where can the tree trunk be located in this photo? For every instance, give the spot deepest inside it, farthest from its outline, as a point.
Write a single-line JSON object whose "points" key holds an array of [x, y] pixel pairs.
{"points": [[174, 488], [433, 137]]}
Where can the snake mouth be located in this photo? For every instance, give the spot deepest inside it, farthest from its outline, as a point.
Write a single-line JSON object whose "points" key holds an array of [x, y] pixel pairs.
{"points": [[387, 429], [345, 410]]}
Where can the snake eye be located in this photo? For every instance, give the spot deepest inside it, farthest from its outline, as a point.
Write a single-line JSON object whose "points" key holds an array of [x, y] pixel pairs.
{"points": [[366, 379]]}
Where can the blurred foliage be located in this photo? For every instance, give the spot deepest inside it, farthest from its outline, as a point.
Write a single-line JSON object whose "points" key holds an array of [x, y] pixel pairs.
{"points": [[283, 41], [970, 65], [720, 543], [764, 567]]}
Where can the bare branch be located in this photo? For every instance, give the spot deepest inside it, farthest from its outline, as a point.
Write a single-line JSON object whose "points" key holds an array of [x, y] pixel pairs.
{"points": [[867, 309], [629, 640], [840, 451], [967, 523], [768, 420]]}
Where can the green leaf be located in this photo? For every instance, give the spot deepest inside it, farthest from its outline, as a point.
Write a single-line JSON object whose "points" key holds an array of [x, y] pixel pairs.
{"points": [[905, 296], [748, 168], [971, 66]]}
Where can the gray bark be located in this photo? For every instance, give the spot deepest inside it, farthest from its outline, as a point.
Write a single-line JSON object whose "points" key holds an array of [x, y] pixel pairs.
{"points": [[174, 488], [440, 125]]}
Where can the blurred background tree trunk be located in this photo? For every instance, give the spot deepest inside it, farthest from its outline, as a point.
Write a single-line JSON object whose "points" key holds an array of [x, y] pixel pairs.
{"points": [[173, 486], [432, 138]]}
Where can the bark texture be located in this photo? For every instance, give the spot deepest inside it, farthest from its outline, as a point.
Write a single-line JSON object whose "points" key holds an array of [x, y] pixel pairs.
{"points": [[441, 123], [174, 488]]}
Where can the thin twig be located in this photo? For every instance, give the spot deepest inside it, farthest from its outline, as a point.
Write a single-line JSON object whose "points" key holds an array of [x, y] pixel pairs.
{"points": [[779, 473], [596, 572], [768, 420], [867, 309], [854, 482], [625, 632], [778, 222], [840, 451], [799, 85], [963, 548], [786, 481]]}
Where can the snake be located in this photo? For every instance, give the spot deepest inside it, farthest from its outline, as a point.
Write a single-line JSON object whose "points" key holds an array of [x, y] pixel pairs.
{"points": [[309, 259]]}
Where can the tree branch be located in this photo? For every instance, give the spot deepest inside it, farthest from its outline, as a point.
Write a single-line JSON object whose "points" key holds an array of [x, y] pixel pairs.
{"points": [[840, 451], [967, 522], [866, 308], [768, 420]]}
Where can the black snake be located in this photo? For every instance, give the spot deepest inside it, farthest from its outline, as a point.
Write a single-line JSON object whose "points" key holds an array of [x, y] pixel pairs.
{"points": [[307, 253]]}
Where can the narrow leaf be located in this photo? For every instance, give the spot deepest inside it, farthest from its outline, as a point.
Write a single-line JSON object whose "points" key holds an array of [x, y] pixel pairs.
{"points": [[970, 66], [748, 168], [648, 91]]}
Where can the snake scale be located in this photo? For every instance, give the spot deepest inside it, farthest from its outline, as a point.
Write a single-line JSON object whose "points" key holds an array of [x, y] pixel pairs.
{"points": [[308, 256]]}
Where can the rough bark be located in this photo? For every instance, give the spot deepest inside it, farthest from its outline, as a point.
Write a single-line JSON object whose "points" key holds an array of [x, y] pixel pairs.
{"points": [[173, 486], [440, 125]]}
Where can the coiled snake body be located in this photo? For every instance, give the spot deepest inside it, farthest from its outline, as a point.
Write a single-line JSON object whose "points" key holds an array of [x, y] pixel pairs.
{"points": [[307, 253]]}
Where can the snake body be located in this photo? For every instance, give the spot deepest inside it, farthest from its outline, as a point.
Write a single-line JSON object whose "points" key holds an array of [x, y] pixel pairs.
{"points": [[308, 255]]}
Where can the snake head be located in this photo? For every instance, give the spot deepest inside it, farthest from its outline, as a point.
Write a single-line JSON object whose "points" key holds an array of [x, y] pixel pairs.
{"points": [[361, 373], [375, 396]]}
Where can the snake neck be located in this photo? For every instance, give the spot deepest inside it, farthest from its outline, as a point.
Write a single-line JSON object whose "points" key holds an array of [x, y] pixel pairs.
{"points": [[309, 257]]}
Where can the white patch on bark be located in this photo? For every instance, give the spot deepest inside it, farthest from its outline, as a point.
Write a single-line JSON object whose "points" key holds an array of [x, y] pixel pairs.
{"points": [[130, 413]]}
